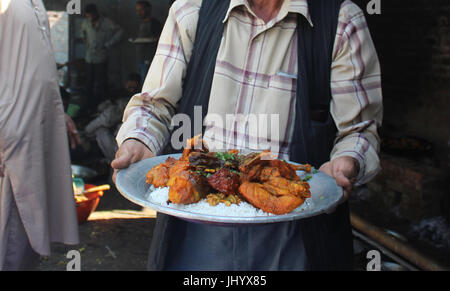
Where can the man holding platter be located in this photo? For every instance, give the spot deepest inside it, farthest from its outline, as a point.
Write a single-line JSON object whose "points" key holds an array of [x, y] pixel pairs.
{"points": [[311, 63]]}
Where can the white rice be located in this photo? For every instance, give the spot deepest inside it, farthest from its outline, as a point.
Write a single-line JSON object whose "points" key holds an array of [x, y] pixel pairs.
{"points": [[160, 196]]}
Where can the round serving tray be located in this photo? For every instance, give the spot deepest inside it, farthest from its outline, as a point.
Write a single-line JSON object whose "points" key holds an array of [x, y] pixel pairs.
{"points": [[325, 195]]}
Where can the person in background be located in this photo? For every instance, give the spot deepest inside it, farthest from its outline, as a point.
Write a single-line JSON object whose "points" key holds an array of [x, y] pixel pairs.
{"points": [[147, 39], [37, 205], [104, 127], [100, 35]]}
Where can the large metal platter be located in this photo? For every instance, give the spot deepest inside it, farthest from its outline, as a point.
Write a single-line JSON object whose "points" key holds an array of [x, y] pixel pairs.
{"points": [[325, 195]]}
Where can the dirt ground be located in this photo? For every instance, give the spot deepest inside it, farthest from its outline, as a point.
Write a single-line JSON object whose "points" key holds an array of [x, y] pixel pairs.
{"points": [[116, 237]]}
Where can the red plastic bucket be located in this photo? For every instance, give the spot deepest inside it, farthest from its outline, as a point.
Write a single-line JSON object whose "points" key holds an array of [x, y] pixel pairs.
{"points": [[85, 208]]}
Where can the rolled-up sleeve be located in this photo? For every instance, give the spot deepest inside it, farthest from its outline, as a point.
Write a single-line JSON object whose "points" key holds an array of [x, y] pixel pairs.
{"points": [[148, 115], [357, 96]]}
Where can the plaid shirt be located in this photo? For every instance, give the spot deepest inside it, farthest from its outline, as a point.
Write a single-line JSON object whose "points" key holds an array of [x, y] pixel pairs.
{"points": [[256, 71]]}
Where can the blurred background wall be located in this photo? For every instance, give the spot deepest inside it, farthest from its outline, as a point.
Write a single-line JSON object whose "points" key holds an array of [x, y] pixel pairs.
{"points": [[122, 12]]}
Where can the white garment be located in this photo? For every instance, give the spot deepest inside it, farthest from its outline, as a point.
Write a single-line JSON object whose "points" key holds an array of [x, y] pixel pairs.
{"points": [[33, 136]]}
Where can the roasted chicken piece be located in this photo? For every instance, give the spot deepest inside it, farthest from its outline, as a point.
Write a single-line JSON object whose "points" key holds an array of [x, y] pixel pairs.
{"points": [[179, 168], [159, 175], [251, 160], [285, 169], [253, 165], [187, 188], [279, 186], [271, 184], [276, 195], [306, 167], [265, 200]]}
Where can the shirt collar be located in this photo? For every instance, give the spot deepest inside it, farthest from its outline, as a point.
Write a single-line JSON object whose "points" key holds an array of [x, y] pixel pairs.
{"points": [[292, 6]]}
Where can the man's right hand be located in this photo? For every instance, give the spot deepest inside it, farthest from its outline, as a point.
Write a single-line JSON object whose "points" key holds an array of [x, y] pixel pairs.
{"points": [[130, 152]]}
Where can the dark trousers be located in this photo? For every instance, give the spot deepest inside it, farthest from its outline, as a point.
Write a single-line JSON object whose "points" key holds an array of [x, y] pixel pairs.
{"points": [[16, 253], [320, 243], [96, 84]]}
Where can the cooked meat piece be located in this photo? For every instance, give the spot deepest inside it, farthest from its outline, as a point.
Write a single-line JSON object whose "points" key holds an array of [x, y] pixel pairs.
{"points": [[306, 168], [279, 186], [271, 184], [263, 199], [205, 160], [158, 176], [257, 167], [285, 169], [185, 190], [251, 160], [269, 172], [179, 168], [251, 166], [225, 181], [253, 174]]}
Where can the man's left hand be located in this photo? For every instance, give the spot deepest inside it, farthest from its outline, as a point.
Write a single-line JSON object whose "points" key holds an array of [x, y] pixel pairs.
{"points": [[344, 170]]}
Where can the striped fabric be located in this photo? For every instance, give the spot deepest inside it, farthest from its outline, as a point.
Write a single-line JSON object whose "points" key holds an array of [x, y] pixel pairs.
{"points": [[255, 78]]}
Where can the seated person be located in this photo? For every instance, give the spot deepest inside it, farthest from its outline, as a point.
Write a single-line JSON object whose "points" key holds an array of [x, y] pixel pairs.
{"points": [[109, 117]]}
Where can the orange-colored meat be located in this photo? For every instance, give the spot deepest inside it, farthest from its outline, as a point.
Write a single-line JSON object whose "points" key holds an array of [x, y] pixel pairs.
{"points": [[179, 168], [185, 190], [285, 169], [159, 175], [185, 186], [306, 167], [279, 186], [263, 199]]}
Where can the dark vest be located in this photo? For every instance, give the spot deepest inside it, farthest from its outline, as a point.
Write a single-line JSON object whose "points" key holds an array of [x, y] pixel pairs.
{"points": [[315, 130]]}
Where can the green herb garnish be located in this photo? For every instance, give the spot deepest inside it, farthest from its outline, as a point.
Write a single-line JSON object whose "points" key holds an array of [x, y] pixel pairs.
{"points": [[225, 156]]}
